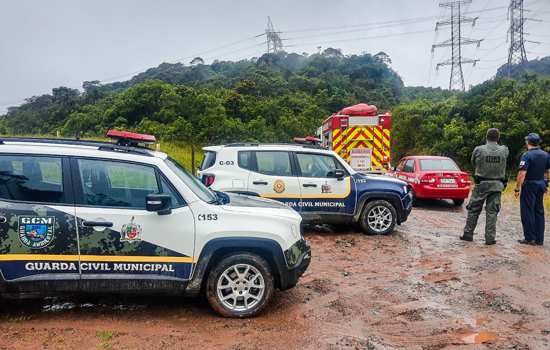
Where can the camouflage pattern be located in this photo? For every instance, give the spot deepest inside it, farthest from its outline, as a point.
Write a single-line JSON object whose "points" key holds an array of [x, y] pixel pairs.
{"points": [[64, 237], [108, 242], [489, 162]]}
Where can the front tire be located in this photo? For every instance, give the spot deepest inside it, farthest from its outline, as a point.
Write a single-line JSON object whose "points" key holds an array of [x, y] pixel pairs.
{"points": [[378, 218], [240, 285], [458, 202]]}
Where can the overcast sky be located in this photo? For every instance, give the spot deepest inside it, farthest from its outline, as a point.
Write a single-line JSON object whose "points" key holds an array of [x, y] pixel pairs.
{"points": [[50, 43]]}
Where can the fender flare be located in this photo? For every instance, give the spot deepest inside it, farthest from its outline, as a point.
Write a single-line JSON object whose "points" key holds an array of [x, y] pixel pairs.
{"points": [[391, 197], [219, 247]]}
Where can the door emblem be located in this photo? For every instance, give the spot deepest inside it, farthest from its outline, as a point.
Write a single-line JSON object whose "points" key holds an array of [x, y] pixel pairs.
{"points": [[326, 188], [279, 186], [36, 231], [130, 232]]}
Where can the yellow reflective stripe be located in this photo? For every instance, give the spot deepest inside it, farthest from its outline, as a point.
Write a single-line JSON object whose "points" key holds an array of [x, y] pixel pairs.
{"points": [[89, 258]]}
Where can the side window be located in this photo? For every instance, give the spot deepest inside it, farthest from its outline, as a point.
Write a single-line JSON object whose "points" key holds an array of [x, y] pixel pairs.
{"points": [[275, 163], [409, 166], [177, 201], [208, 160], [246, 160], [317, 165], [116, 184], [401, 165], [31, 179]]}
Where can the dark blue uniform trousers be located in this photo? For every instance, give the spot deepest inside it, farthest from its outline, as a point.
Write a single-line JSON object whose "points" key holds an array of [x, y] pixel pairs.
{"points": [[532, 210]]}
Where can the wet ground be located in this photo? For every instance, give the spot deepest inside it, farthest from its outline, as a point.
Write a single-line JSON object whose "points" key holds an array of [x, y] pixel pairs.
{"points": [[420, 288]]}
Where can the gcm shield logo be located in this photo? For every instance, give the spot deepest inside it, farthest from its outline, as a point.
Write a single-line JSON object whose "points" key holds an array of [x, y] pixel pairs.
{"points": [[36, 232]]}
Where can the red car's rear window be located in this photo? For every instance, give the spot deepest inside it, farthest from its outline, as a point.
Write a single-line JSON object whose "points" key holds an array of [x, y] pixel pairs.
{"points": [[438, 164]]}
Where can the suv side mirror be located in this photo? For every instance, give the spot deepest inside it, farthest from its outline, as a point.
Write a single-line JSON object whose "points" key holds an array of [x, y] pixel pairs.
{"points": [[337, 174], [158, 202]]}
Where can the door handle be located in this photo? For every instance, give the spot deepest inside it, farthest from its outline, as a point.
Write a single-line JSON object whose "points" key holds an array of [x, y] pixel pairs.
{"points": [[97, 224], [259, 182], [309, 185]]}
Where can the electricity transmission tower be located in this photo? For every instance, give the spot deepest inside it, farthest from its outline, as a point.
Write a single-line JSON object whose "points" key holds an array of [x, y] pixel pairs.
{"points": [[456, 42], [274, 41], [516, 53]]}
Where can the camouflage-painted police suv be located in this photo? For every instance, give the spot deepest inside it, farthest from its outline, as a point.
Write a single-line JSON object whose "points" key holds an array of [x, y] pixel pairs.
{"points": [[113, 218], [314, 181]]}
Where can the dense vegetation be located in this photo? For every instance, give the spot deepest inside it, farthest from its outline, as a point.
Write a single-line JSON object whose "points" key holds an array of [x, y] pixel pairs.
{"points": [[272, 98], [277, 97], [454, 126]]}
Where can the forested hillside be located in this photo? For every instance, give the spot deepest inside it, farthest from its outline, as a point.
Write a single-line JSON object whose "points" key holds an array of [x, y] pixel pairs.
{"points": [[279, 96], [272, 98]]}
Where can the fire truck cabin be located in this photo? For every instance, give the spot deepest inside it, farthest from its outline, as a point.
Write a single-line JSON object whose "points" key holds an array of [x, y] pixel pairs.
{"points": [[359, 135]]}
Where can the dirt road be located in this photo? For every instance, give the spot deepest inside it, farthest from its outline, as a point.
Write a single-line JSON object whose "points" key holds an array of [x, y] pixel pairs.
{"points": [[420, 288]]}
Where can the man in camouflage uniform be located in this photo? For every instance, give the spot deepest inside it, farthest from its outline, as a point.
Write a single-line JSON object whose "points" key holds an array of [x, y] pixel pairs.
{"points": [[489, 163]]}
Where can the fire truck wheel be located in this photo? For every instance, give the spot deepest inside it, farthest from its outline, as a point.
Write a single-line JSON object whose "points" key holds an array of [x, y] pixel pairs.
{"points": [[378, 218], [240, 285]]}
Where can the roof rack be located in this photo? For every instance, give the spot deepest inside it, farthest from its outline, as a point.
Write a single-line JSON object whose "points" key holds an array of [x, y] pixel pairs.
{"points": [[101, 145]]}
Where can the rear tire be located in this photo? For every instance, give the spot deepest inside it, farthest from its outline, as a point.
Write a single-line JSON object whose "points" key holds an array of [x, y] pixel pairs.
{"points": [[458, 202], [378, 218], [240, 285]]}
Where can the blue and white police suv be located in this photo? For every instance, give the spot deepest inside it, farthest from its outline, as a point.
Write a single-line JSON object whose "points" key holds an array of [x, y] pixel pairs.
{"points": [[83, 216], [314, 181]]}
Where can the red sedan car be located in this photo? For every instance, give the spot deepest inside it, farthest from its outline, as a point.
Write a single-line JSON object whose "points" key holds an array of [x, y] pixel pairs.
{"points": [[434, 177]]}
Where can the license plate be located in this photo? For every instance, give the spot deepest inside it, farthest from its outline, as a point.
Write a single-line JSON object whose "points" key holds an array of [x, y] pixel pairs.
{"points": [[447, 181]]}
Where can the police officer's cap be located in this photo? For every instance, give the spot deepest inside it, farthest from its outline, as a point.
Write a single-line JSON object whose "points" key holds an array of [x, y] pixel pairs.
{"points": [[533, 138]]}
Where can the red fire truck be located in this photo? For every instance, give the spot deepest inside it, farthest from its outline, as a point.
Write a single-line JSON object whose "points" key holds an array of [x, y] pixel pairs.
{"points": [[360, 135]]}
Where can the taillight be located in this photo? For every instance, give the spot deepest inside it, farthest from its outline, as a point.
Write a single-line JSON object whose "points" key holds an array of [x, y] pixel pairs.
{"points": [[208, 179], [464, 180], [427, 180]]}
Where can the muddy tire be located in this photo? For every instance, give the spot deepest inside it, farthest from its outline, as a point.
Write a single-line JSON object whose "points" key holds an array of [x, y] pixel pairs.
{"points": [[240, 285], [378, 218], [458, 202]]}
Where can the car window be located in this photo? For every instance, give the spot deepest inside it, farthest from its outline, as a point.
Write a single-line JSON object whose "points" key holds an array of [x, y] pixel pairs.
{"points": [[168, 189], [317, 165], [400, 165], [438, 164], [116, 184], [31, 179], [246, 160], [409, 166], [275, 163], [208, 160], [194, 184]]}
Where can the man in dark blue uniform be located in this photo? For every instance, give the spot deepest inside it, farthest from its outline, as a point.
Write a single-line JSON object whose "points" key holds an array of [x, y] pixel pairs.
{"points": [[531, 187]]}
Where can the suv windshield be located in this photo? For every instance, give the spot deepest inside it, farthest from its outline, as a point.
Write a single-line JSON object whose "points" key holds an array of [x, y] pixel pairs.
{"points": [[438, 164], [194, 184]]}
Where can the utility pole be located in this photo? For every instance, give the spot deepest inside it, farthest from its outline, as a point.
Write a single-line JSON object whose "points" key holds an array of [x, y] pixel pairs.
{"points": [[274, 41], [456, 42], [516, 52]]}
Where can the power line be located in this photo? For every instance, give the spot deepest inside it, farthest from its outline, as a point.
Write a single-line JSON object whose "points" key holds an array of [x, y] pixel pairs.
{"points": [[273, 40], [397, 22], [516, 52], [456, 42], [362, 38], [113, 78]]}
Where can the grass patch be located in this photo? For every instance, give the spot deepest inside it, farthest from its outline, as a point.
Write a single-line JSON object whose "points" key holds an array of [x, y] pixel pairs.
{"points": [[508, 195]]}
